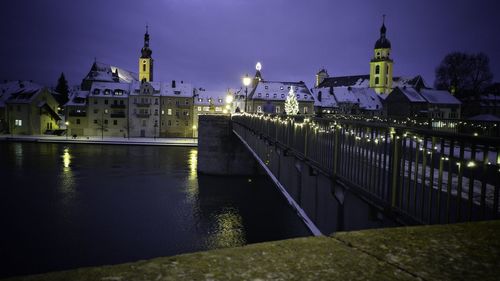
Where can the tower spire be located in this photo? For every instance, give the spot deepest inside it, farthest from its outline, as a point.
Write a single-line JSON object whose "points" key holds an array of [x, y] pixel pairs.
{"points": [[383, 29]]}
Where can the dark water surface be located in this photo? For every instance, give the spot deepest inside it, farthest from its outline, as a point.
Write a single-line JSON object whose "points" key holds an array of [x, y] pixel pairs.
{"points": [[67, 206]]}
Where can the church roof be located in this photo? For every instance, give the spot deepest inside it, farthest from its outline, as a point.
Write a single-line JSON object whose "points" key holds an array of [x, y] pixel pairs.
{"points": [[107, 73], [363, 81]]}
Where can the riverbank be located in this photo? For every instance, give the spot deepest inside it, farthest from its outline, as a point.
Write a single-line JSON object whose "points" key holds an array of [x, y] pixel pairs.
{"points": [[467, 251], [106, 140]]}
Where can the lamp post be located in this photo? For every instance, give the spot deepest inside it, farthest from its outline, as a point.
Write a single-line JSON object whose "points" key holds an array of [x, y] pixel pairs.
{"points": [[246, 82], [67, 129]]}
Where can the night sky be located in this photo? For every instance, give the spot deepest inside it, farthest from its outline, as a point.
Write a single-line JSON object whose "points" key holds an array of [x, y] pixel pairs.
{"points": [[212, 44]]}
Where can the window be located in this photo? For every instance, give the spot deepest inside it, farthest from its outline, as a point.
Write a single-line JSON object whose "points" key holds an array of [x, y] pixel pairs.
{"points": [[377, 69], [277, 109], [156, 111], [95, 101], [115, 122], [282, 96], [106, 111], [177, 103], [105, 121], [121, 102], [169, 111], [96, 91], [105, 101], [95, 121], [281, 88], [118, 92], [376, 80], [267, 95], [18, 108], [206, 108], [220, 100], [169, 122], [378, 54], [218, 109], [96, 110], [185, 113], [115, 102], [156, 101], [259, 95], [18, 122], [144, 123], [266, 87], [186, 123], [144, 66], [107, 91], [200, 99], [187, 101], [274, 96], [305, 110], [199, 108], [163, 112], [78, 121], [177, 113], [259, 109]]}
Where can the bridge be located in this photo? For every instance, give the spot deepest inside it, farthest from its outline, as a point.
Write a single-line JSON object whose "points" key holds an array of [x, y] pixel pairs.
{"points": [[342, 174]]}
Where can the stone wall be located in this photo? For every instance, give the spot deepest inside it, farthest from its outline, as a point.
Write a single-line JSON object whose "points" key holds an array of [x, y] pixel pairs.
{"points": [[220, 152]]}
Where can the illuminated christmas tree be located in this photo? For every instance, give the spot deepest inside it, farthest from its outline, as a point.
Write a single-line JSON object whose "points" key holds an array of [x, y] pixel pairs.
{"points": [[291, 103]]}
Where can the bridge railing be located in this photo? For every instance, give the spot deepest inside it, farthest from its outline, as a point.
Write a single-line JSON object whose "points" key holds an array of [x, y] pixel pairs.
{"points": [[424, 175]]}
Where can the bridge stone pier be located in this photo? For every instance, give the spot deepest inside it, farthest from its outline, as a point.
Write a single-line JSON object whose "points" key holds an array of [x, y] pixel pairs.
{"points": [[220, 152]]}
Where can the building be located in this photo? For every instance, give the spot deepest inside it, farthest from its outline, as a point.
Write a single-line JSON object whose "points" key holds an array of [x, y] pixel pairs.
{"points": [[27, 108], [270, 96], [426, 103], [347, 100]]}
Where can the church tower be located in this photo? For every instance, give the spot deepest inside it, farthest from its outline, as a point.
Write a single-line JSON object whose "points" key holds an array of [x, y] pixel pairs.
{"points": [[146, 61], [381, 64], [320, 76]]}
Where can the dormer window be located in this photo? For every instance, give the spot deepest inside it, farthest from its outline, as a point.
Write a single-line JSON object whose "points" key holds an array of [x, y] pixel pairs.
{"points": [[259, 95], [118, 93], [281, 88], [220, 100], [96, 91], [274, 95], [282, 96], [266, 87], [107, 92], [267, 95]]}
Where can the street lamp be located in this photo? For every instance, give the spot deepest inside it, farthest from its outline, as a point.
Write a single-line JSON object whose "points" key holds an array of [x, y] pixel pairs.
{"points": [[67, 131], [246, 82]]}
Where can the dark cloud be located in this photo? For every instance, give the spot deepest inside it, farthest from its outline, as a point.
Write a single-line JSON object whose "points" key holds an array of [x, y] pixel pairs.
{"points": [[213, 43]]}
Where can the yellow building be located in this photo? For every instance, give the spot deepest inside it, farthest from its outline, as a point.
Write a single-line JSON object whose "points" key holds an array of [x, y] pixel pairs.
{"points": [[381, 66]]}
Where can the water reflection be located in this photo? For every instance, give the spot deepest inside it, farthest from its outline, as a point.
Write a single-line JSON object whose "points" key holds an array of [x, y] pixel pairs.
{"points": [[192, 185], [18, 154], [67, 184], [229, 230]]}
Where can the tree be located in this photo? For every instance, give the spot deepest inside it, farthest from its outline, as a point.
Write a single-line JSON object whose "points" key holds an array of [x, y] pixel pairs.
{"points": [[464, 74], [291, 103], [62, 89]]}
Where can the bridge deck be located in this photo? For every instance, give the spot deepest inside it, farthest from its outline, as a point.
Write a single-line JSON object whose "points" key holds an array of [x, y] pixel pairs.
{"points": [[466, 251]]}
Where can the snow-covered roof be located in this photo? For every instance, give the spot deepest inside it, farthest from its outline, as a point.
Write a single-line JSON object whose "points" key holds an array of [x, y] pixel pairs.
{"points": [[277, 91], [412, 95], [327, 99], [105, 89], [107, 73], [77, 98], [181, 90], [439, 97], [363, 81], [18, 92], [345, 95], [485, 117], [217, 98], [368, 98]]}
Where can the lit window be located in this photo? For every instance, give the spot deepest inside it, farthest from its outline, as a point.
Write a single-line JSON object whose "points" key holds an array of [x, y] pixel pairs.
{"points": [[163, 112], [206, 108], [259, 109], [220, 100], [169, 111], [281, 88], [305, 110], [218, 108], [19, 122], [267, 95], [199, 108], [277, 109]]}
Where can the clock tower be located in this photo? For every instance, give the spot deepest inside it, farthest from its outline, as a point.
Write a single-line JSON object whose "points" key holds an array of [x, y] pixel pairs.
{"points": [[146, 61]]}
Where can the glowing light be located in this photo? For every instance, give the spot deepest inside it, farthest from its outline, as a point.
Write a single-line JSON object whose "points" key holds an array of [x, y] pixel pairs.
{"points": [[194, 127], [224, 111], [229, 98], [471, 164], [258, 66], [475, 134], [247, 80]]}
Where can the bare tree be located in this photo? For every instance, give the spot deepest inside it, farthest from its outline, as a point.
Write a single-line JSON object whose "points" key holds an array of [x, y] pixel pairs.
{"points": [[464, 74]]}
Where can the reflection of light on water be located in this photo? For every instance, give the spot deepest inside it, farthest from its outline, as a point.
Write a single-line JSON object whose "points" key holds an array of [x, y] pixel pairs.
{"points": [[229, 232], [192, 186], [67, 187], [18, 152]]}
